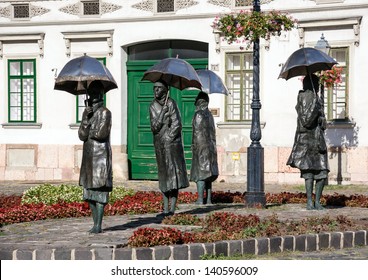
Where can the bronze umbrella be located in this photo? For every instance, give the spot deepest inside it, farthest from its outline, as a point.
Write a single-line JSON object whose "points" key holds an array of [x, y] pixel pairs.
{"points": [[78, 73]]}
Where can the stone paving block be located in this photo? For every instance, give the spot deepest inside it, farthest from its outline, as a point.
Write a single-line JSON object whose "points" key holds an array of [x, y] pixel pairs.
{"points": [[348, 237], [123, 254], [144, 253], [209, 248], [62, 254], [323, 241], [360, 238], [103, 253], [275, 244], [6, 254], [45, 254], [162, 252], [180, 252], [82, 254], [311, 242], [289, 242], [235, 247], [196, 251], [263, 246], [249, 247], [24, 254], [336, 238], [300, 242], [221, 248]]}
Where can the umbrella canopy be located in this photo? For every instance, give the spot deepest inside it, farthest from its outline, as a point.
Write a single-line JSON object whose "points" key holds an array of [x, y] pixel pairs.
{"points": [[211, 82], [175, 72], [78, 73], [306, 61]]}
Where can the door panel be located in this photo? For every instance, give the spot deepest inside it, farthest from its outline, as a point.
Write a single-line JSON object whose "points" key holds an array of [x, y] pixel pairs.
{"points": [[141, 153]]}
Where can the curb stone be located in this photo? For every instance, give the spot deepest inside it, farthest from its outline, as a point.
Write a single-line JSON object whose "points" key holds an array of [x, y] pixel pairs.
{"points": [[194, 251]]}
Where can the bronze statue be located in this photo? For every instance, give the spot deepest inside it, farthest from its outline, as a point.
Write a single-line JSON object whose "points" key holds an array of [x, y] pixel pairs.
{"points": [[96, 168], [309, 153], [204, 168], [166, 128]]}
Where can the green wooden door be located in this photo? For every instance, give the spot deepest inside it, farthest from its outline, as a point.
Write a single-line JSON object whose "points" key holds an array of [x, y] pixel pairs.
{"points": [[141, 154]]}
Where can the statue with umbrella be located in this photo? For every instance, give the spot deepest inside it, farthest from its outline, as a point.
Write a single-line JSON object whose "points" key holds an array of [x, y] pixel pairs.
{"points": [[86, 75], [204, 169], [166, 126], [309, 152]]}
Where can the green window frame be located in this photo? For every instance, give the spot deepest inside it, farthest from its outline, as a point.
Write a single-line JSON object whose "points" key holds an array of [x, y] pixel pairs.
{"points": [[239, 80], [337, 97], [22, 95], [81, 98]]}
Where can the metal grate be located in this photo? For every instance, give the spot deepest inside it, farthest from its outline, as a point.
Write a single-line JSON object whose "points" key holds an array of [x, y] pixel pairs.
{"points": [[21, 11], [164, 6], [91, 8]]}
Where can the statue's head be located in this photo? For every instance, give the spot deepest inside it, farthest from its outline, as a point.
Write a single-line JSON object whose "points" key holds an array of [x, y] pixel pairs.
{"points": [[96, 91], [202, 98], [310, 82], [160, 89]]}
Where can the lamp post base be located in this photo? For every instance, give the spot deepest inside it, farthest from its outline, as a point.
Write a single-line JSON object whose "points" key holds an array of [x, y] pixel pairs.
{"points": [[255, 196]]}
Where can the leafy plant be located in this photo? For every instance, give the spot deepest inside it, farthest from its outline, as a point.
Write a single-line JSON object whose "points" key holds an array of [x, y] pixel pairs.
{"points": [[52, 194]]}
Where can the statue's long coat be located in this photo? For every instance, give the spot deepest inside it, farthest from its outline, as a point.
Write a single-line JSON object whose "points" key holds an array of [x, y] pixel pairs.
{"points": [[167, 139], [309, 150], [96, 168], [204, 151]]}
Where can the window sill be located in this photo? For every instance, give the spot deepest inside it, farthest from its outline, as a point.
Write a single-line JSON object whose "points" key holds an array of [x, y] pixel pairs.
{"points": [[237, 125], [343, 123], [74, 125], [22, 125]]}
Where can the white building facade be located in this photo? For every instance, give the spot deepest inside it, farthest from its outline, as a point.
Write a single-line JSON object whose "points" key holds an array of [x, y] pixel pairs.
{"points": [[38, 133]]}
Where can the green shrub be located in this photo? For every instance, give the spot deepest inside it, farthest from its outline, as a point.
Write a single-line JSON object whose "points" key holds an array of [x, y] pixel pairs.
{"points": [[51, 194]]}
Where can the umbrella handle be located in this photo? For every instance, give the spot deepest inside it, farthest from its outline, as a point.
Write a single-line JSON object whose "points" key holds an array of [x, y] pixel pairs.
{"points": [[167, 97]]}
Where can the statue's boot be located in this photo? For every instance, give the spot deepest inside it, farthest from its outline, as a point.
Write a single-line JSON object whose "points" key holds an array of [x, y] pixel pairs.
{"points": [[166, 203], [92, 206], [319, 189], [209, 192], [200, 191], [99, 215], [174, 198], [309, 191]]}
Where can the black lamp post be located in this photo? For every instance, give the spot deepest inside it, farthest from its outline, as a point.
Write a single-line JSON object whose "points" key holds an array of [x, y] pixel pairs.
{"points": [[255, 195]]}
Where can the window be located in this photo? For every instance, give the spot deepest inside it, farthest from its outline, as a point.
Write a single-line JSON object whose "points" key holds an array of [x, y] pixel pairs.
{"points": [[22, 90], [91, 8], [239, 80], [81, 98], [243, 3], [336, 98], [21, 11], [165, 6]]}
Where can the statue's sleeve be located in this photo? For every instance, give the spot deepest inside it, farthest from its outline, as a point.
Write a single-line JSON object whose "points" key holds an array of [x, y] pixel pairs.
{"points": [[156, 123], [308, 109], [102, 131], [83, 131], [175, 121]]}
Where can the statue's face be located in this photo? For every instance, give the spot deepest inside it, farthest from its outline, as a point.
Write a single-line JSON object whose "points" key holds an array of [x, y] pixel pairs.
{"points": [[95, 94], [159, 90]]}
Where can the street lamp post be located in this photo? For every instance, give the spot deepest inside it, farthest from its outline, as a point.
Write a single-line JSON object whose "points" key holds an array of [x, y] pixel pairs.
{"points": [[255, 195]]}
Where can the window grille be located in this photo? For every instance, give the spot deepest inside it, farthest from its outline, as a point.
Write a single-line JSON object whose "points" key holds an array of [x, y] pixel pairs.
{"points": [[21, 11], [165, 6], [91, 8]]}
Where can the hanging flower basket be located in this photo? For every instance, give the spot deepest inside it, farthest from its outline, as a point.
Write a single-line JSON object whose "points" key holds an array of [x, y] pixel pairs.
{"points": [[248, 26], [330, 78]]}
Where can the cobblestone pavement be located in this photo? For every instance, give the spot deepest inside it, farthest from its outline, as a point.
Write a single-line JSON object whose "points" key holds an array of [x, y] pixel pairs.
{"points": [[72, 232]]}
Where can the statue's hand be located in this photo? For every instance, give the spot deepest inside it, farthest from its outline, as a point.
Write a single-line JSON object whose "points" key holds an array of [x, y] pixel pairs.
{"points": [[89, 111], [322, 123]]}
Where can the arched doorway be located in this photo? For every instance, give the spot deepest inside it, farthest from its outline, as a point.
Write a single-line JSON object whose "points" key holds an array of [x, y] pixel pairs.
{"points": [[141, 154]]}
